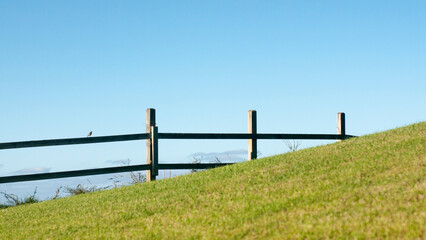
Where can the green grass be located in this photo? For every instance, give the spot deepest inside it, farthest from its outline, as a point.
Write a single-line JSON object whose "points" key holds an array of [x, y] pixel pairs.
{"points": [[371, 187]]}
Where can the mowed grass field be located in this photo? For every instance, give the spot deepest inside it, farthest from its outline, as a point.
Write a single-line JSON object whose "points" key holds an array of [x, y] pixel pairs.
{"points": [[371, 187]]}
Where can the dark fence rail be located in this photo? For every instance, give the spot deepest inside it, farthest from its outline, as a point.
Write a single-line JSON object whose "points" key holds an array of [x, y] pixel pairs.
{"points": [[72, 141], [259, 136], [76, 173], [152, 136], [184, 166]]}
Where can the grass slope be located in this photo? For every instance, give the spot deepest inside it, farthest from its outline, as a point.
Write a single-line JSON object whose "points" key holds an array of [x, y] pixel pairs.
{"points": [[368, 187]]}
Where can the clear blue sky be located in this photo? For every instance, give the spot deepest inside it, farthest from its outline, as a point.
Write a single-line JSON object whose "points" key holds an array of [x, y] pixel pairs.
{"points": [[70, 67]]}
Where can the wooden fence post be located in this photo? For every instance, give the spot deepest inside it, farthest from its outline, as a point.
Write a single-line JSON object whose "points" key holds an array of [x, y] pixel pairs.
{"points": [[252, 128], [151, 145], [341, 127]]}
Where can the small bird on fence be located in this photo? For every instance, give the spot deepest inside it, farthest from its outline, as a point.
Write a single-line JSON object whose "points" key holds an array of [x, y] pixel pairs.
{"points": [[90, 134]]}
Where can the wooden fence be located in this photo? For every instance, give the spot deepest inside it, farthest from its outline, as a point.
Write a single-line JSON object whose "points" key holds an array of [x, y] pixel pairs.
{"points": [[151, 136]]}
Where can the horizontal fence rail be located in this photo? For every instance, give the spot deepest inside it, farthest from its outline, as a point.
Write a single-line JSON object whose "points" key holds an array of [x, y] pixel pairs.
{"points": [[177, 166], [253, 136], [76, 173], [98, 171], [152, 136], [72, 141]]}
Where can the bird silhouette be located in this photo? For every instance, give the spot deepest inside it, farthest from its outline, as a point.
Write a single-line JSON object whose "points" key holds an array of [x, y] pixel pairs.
{"points": [[90, 134]]}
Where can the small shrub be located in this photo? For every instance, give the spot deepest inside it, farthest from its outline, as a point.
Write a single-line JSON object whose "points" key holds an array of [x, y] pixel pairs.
{"points": [[199, 159], [292, 145], [81, 189], [14, 200], [57, 193], [136, 177]]}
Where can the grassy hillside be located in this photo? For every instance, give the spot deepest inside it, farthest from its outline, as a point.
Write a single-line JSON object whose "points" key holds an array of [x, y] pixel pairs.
{"points": [[369, 187]]}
